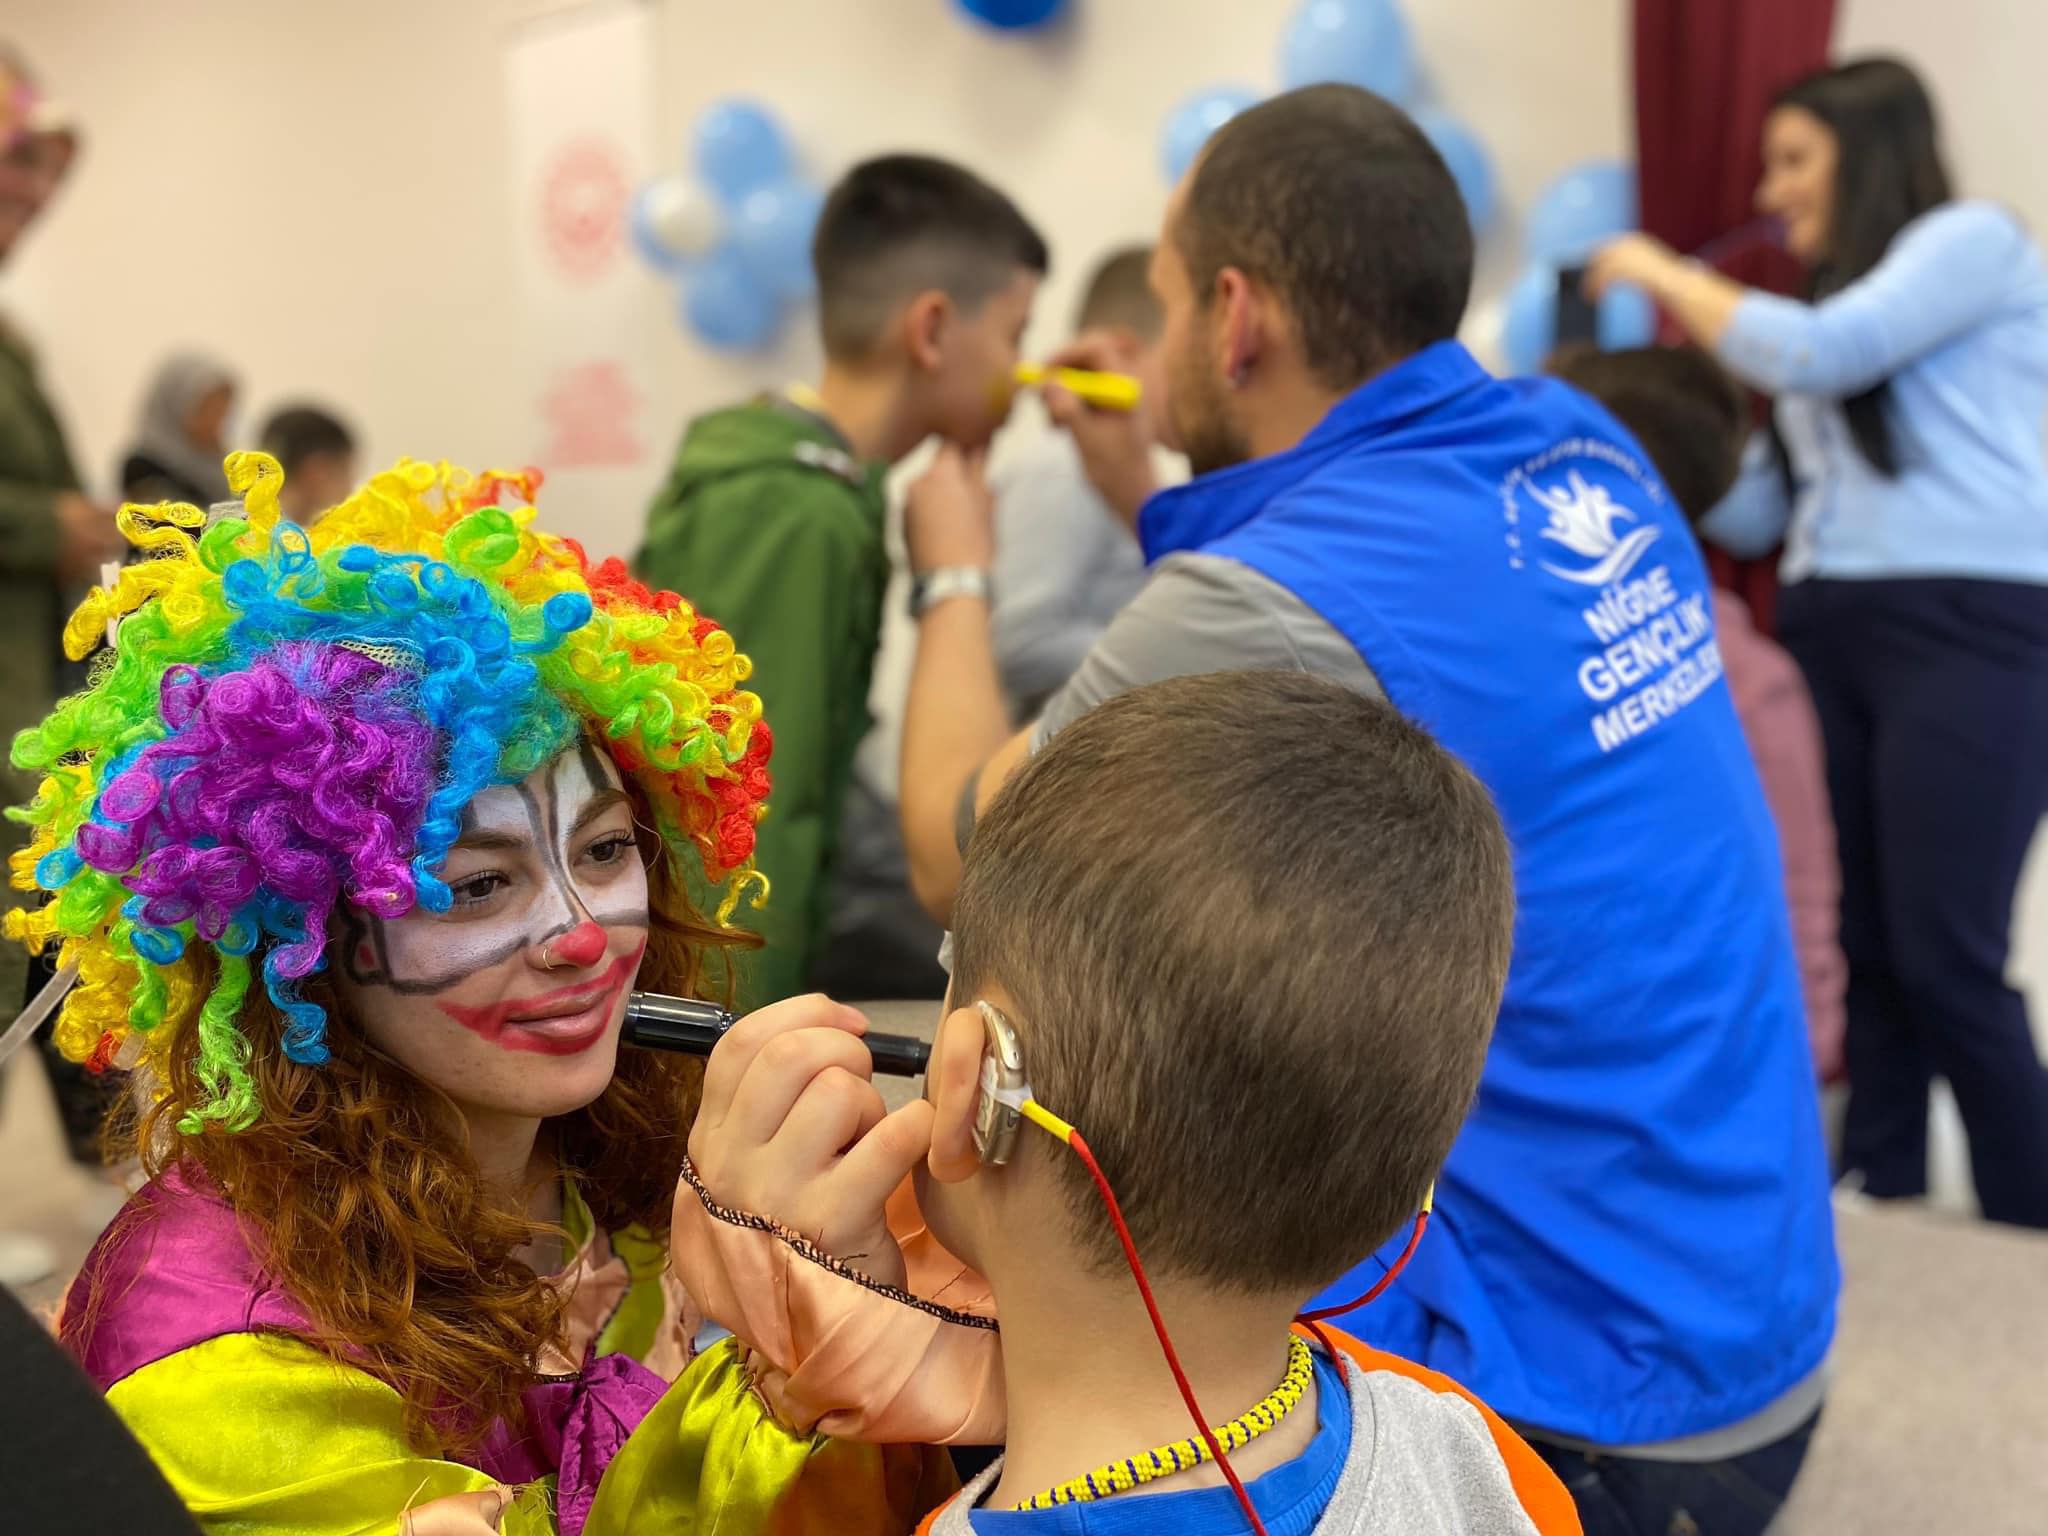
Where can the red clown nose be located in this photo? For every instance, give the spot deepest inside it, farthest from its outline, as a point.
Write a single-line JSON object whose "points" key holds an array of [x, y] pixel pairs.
{"points": [[584, 944]]}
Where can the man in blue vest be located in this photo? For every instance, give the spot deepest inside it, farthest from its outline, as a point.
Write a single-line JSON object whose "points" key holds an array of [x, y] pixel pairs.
{"points": [[1633, 1253]]}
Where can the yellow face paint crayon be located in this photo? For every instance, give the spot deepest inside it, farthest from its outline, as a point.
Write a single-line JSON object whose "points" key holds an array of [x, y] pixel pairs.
{"points": [[1104, 391]]}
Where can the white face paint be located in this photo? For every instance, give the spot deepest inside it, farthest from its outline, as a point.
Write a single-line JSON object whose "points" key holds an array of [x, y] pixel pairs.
{"points": [[512, 999]]}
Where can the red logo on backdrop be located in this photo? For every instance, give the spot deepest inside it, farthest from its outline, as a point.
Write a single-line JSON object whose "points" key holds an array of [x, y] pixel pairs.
{"points": [[583, 199], [591, 412]]}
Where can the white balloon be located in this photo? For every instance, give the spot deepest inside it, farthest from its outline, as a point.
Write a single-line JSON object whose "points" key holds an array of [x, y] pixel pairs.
{"points": [[683, 216]]}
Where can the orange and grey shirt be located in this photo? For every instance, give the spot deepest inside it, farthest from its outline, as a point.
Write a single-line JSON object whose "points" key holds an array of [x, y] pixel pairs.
{"points": [[1424, 1456]]}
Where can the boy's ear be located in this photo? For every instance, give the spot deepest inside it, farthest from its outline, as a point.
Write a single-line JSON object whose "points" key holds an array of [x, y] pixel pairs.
{"points": [[924, 327], [952, 1083]]}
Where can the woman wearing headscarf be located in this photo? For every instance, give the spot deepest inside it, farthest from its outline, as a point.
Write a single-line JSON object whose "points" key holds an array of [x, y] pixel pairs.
{"points": [[179, 445]]}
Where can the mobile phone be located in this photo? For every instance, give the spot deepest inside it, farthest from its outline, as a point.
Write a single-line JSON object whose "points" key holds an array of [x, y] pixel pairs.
{"points": [[1578, 318]]}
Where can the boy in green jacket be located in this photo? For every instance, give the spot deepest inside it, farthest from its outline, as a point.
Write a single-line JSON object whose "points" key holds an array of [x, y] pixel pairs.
{"points": [[772, 518]]}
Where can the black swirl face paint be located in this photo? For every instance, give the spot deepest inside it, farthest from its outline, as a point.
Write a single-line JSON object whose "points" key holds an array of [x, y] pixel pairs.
{"points": [[549, 921]]}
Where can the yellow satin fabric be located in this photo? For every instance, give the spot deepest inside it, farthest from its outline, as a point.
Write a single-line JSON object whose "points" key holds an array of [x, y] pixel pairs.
{"points": [[262, 1435], [710, 1461]]}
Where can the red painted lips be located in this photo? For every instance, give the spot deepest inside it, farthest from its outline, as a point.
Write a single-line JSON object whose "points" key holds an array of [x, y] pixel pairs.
{"points": [[559, 1023]]}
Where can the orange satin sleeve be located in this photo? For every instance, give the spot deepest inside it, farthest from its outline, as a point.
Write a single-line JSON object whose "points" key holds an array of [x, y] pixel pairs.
{"points": [[835, 1352]]}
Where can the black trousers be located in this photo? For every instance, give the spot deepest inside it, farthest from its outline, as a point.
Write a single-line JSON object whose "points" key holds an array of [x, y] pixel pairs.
{"points": [[1933, 699], [1622, 1496]]}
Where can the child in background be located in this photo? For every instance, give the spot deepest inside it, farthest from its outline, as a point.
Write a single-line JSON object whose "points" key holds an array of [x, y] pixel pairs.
{"points": [[1691, 418], [318, 455], [775, 508], [1268, 1035]]}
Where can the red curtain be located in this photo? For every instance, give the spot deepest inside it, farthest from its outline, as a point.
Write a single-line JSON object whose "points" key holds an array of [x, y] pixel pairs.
{"points": [[1705, 74]]}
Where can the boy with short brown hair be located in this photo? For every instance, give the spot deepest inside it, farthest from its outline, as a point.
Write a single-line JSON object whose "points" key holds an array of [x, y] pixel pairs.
{"points": [[774, 508], [1249, 931]]}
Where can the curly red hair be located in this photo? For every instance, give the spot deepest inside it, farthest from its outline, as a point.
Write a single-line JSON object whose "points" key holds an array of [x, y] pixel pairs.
{"points": [[357, 1188]]}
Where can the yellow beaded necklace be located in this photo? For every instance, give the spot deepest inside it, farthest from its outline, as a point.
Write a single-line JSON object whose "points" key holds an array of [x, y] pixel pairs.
{"points": [[1180, 1455]]}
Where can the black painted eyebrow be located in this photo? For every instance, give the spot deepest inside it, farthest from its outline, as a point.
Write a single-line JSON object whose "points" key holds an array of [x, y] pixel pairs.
{"points": [[603, 801], [493, 841]]}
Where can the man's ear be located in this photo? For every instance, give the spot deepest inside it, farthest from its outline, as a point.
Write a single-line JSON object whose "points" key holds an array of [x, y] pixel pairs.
{"points": [[925, 319], [953, 1083], [1241, 318]]}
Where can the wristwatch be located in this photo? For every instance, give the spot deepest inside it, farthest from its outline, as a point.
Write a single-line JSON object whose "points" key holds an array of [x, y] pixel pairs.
{"points": [[928, 588]]}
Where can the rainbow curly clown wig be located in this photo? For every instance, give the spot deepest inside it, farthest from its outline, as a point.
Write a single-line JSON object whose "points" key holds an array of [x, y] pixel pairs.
{"points": [[293, 719]]}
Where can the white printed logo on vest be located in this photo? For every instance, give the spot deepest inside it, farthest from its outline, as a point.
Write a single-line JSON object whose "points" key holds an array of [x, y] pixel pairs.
{"points": [[1582, 519], [1657, 649]]}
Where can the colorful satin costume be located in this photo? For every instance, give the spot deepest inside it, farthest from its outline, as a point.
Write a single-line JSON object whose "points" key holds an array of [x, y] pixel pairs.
{"points": [[631, 1428], [283, 736]]}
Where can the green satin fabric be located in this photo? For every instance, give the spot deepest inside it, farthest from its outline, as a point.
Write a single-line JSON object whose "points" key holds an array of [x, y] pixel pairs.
{"points": [[709, 1461], [262, 1435]]}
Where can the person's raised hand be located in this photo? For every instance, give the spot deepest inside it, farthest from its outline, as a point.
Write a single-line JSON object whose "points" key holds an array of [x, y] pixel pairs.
{"points": [[1115, 446], [949, 513], [790, 1126], [1640, 259], [86, 539]]}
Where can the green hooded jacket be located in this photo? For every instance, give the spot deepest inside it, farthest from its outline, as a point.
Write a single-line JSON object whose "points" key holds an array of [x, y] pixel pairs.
{"points": [[35, 468], [771, 526]]}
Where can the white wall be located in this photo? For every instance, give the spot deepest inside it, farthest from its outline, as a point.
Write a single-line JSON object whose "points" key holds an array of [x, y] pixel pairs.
{"points": [[1982, 60], [319, 190]]}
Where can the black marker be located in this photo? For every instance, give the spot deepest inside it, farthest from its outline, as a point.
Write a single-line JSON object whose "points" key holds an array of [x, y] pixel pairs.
{"points": [[657, 1022]]}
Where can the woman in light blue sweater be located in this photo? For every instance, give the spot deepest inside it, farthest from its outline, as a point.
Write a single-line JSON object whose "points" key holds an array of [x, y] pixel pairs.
{"points": [[1905, 472]]}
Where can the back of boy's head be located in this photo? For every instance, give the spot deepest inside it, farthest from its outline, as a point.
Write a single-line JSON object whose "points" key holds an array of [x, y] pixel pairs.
{"points": [[1255, 927], [901, 225], [297, 433], [1690, 416], [1120, 296]]}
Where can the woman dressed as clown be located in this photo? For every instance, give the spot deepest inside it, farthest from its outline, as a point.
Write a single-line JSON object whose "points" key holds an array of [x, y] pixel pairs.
{"points": [[356, 844]]}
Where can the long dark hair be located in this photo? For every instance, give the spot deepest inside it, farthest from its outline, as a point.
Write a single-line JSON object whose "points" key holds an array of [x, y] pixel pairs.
{"points": [[1888, 171]]}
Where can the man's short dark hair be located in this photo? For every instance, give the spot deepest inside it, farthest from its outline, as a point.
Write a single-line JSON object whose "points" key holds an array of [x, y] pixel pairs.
{"points": [[1336, 201], [1684, 408], [903, 224], [297, 433], [1120, 295], [1255, 927]]}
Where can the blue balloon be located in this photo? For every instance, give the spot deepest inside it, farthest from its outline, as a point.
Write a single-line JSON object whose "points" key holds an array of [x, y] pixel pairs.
{"points": [[740, 146], [1351, 42], [772, 234], [1585, 206], [727, 307], [1012, 15], [1470, 165], [1189, 125], [1624, 317]]}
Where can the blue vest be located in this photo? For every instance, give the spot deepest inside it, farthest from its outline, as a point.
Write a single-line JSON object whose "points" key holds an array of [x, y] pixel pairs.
{"points": [[1633, 1240]]}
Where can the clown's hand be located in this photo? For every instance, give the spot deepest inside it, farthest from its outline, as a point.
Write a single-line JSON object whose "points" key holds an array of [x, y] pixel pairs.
{"points": [[791, 1128]]}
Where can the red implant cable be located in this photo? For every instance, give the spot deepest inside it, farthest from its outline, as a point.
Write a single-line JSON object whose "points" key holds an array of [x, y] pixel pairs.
{"points": [[1379, 1285], [1073, 1138]]}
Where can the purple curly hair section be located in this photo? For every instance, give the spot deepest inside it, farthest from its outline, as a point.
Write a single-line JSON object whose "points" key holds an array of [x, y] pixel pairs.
{"points": [[282, 788]]}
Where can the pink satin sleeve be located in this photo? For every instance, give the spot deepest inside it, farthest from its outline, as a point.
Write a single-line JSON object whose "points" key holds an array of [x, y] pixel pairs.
{"points": [[835, 1352]]}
